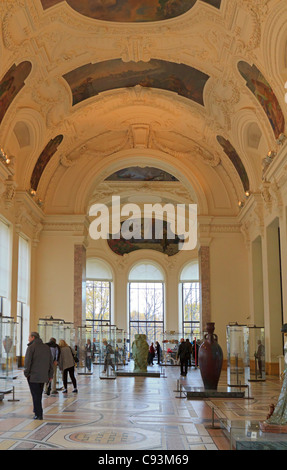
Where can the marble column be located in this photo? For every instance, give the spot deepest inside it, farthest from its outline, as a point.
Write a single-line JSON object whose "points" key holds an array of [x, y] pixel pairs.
{"points": [[204, 276], [79, 285]]}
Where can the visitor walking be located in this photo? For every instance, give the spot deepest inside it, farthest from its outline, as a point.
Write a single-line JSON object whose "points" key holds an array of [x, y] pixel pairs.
{"points": [[151, 355], [67, 365], [182, 355], [38, 369], [158, 351]]}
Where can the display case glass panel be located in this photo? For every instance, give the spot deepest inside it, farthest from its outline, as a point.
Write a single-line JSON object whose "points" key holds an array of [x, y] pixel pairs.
{"points": [[107, 352], [85, 350], [257, 353], [121, 352], [7, 353], [170, 344], [238, 370]]}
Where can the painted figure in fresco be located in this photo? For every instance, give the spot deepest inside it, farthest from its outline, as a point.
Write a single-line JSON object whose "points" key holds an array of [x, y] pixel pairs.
{"points": [[91, 79], [261, 89], [11, 84], [279, 416]]}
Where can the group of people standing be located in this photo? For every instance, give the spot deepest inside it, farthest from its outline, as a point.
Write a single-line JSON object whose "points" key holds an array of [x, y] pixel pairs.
{"points": [[184, 354], [40, 368], [152, 352]]}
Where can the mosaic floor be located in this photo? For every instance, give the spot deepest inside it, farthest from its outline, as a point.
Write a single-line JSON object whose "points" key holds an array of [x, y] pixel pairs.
{"points": [[129, 413]]}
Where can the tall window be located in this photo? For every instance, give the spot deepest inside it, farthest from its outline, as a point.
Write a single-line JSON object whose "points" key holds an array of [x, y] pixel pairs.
{"points": [[23, 311], [98, 294], [190, 294], [146, 302], [5, 272]]}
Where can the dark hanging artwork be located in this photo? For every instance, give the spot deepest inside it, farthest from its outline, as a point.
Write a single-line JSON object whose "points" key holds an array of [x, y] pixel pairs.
{"points": [[235, 159], [11, 84], [91, 79], [129, 11], [43, 160], [137, 173], [261, 89], [165, 244]]}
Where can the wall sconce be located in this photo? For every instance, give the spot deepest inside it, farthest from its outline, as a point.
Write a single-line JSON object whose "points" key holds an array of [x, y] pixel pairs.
{"points": [[241, 204], [32, 192], [281, 139], [247, 193], [4, 156]]}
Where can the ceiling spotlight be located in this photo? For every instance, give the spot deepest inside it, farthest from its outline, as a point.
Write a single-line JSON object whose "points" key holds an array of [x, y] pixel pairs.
{"points": [[271, 154], [32, 192], [240, 204], [247, 193], [281, 139]]}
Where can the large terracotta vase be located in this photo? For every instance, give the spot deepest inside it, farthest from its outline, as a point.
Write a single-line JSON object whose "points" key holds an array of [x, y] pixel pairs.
{"points": [[210, 358]]}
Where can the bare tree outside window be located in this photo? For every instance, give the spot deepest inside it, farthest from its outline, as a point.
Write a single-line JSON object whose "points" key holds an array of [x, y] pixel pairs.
{"points": [[146, 310], [191, 309]]}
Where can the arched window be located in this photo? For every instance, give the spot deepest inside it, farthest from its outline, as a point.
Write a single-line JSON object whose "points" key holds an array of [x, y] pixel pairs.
{"points": [[146, 301], [190, 294], [5, 273], [98, 293]]}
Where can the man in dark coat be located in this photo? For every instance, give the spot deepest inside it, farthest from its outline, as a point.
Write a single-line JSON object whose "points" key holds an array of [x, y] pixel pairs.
{"points": [[38, 369], [183, 354]]}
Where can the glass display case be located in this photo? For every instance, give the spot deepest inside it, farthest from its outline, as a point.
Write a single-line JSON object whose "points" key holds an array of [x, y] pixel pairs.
{"points": [[256, 353], [7, 353], [170, 344], [85, 350], [238, 370], [49, 327], [121, 353], [107, 351]]}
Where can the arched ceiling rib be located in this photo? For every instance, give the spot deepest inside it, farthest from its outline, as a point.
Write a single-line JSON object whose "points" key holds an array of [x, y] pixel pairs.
{"points": [[174, 80]]}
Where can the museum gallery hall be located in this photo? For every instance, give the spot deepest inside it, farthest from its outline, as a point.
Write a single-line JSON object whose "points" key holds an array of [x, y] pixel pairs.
{"points": [[143, 199]]}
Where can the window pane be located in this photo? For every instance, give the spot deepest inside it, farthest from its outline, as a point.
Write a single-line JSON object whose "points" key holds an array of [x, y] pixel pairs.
{"points": [[98, 301], [146, 310], [4, 260]]}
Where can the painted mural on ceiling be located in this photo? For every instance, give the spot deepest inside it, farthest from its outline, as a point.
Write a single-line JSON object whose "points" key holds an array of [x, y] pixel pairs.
{"points": [[168, 243], [235, 159], [129, 11], [91, 79], [43, 160], [136, 173], [11, 84], [261, 89]]}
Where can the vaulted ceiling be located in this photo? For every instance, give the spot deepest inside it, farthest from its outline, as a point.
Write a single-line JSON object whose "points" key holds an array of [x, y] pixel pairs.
{"points": [[187, 97]]}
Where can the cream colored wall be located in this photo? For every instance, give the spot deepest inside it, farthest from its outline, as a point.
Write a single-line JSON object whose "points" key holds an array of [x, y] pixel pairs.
{"points": [[54, 278], [229, 284]]}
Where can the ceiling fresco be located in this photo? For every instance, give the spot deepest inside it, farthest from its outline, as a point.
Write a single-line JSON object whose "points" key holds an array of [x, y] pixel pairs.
{"points": [[43, 160], [129, 11], [167, 244], [91, 79], [11, 84], [235, 159], [137, 173], [261, 89]]}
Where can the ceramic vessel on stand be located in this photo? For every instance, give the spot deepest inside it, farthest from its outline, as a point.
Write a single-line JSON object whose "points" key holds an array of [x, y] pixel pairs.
{"points": [[210, 358]]}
